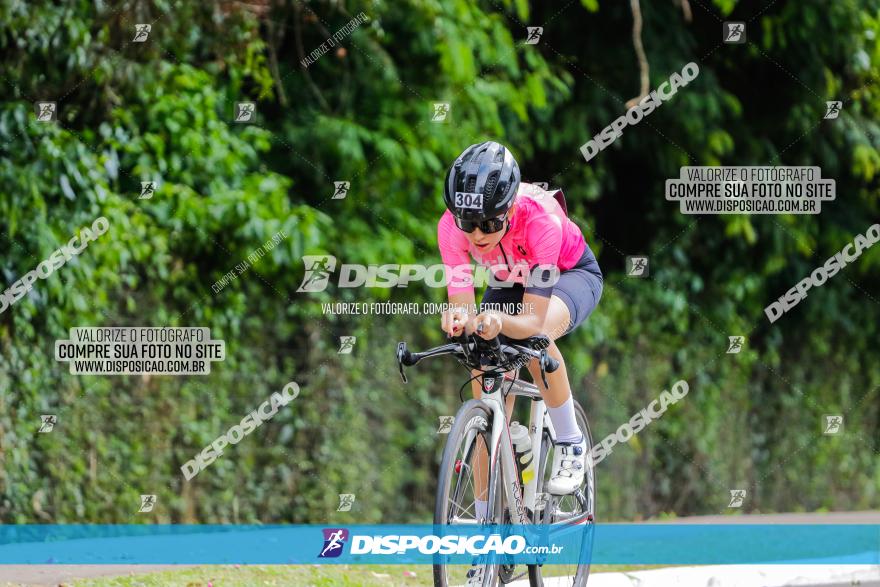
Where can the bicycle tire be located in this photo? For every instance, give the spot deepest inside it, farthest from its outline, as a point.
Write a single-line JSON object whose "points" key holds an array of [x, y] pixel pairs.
{"points": [[462, 424], [583, 572]]}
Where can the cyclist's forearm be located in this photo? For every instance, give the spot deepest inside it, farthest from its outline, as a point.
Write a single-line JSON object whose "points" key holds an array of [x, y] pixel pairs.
{"points": [[521, 325], [530, 322]]}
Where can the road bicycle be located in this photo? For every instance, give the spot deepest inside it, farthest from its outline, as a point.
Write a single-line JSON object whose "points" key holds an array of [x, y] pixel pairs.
{"points": [[515, 488]]}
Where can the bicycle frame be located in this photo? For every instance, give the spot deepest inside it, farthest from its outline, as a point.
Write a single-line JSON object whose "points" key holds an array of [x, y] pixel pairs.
{"points": [[519, 502]]}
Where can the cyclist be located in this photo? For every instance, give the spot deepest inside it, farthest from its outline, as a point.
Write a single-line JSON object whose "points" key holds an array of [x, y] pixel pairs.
{"points": [[545, 280]]}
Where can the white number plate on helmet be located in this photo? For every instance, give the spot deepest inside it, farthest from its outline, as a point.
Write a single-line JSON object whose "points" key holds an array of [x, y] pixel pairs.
{"points": [[468, 200]]}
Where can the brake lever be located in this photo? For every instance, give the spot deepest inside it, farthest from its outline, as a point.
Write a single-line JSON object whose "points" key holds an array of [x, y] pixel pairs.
{"points": [[402, 374], [462, 341], [401, 349], [543, 362]]}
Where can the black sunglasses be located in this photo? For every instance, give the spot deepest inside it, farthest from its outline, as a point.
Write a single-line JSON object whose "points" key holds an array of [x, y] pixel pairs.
{"points": [[488, 226]]}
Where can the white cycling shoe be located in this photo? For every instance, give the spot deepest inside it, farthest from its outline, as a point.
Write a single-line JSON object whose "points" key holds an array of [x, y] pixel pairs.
{"points": [[476, 575], [569, 463]]}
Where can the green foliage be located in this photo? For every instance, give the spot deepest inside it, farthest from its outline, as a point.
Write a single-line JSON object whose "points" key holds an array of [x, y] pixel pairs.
{"points": [[162, 110]]}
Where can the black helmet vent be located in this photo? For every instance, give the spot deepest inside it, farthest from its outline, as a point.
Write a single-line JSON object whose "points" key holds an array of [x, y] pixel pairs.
{"points": [[491, 182]]}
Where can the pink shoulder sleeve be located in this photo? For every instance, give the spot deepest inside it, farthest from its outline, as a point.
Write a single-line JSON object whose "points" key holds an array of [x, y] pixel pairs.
{"points": [[453, 247]]}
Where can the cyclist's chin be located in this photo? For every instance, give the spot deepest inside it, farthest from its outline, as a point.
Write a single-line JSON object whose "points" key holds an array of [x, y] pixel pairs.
{"points": [[485, 248]]}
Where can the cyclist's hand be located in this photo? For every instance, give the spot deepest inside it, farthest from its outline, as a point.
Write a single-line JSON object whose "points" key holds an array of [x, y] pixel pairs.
{"points": [[491, 324], [454, 320]]}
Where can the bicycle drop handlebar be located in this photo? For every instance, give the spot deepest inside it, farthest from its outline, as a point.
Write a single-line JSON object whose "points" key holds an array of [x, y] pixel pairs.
{"points": [[475, 352]]}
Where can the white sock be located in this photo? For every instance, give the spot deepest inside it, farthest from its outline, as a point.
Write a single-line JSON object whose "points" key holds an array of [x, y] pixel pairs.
{"points": [[564, 424], [482, 509]]}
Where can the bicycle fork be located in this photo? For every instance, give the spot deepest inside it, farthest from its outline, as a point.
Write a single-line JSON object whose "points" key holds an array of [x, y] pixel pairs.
{"points": [[502, 454]]}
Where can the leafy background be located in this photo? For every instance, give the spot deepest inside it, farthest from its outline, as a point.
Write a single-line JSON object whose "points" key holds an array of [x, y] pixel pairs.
{"points": [[162, 110]]}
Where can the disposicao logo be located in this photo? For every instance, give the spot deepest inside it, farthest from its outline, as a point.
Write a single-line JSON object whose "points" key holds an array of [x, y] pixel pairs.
{"points": [[336, 538], [431, 544], [319, 268], [334, 541]]}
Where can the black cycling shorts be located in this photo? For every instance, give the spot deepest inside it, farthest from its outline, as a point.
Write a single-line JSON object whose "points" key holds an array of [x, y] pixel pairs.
{"points": [[580, 288]]}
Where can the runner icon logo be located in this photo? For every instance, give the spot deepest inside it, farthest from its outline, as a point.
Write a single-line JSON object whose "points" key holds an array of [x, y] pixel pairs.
{"points": [[147, 190], [148, 502], [535, 33], [346, 500], [832, 109], [735, 344], [833, 424], [48, 422], [637, 266], [735, 32], [440, 112], [141, 32], [737, 497], [318, 269], [446, 423], [346, 344], [45, 111], [340, 189], [244, 111], [334, 541]]}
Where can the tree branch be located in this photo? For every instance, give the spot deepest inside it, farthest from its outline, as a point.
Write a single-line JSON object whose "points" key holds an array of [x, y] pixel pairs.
{"points": [[640, 54], [297, 33], [275, 37], [685, 9]]}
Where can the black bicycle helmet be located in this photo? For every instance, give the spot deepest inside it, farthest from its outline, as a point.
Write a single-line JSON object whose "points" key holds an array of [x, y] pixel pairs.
{"points": [[482, 183]]}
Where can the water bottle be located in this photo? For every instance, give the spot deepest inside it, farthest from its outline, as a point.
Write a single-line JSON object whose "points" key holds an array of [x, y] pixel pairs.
{"points": [[522, 446]]}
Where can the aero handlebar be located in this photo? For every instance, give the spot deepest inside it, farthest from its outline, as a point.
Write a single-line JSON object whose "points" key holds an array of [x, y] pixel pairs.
{"points": [[476, 353]]}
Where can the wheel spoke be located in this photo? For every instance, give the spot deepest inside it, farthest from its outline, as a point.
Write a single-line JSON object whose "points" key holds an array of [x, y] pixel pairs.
{"points": [[458, 495], [463, 511], [464, 483]]}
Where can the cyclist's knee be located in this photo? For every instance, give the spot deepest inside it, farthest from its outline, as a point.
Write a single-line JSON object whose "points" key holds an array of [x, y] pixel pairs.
{"points": [[533, 366], [476, 384]]}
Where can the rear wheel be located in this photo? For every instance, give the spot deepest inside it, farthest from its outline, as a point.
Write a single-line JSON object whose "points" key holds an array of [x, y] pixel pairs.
{"points": [[456, 492], [577, 507]]}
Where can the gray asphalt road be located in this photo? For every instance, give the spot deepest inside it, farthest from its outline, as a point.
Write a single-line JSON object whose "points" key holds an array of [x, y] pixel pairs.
{"points": [[54, 575], [796, 518]]}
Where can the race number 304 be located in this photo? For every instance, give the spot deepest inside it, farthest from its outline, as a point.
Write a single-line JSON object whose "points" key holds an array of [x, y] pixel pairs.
{"points": [[468, 200]]}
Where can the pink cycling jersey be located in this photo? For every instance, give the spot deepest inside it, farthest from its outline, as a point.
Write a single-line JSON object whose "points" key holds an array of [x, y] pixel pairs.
{"points": [[540, 234]]}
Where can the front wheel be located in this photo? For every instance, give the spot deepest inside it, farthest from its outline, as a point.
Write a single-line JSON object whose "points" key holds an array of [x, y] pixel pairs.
{"points": [[457, 490], [579, 507]]}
